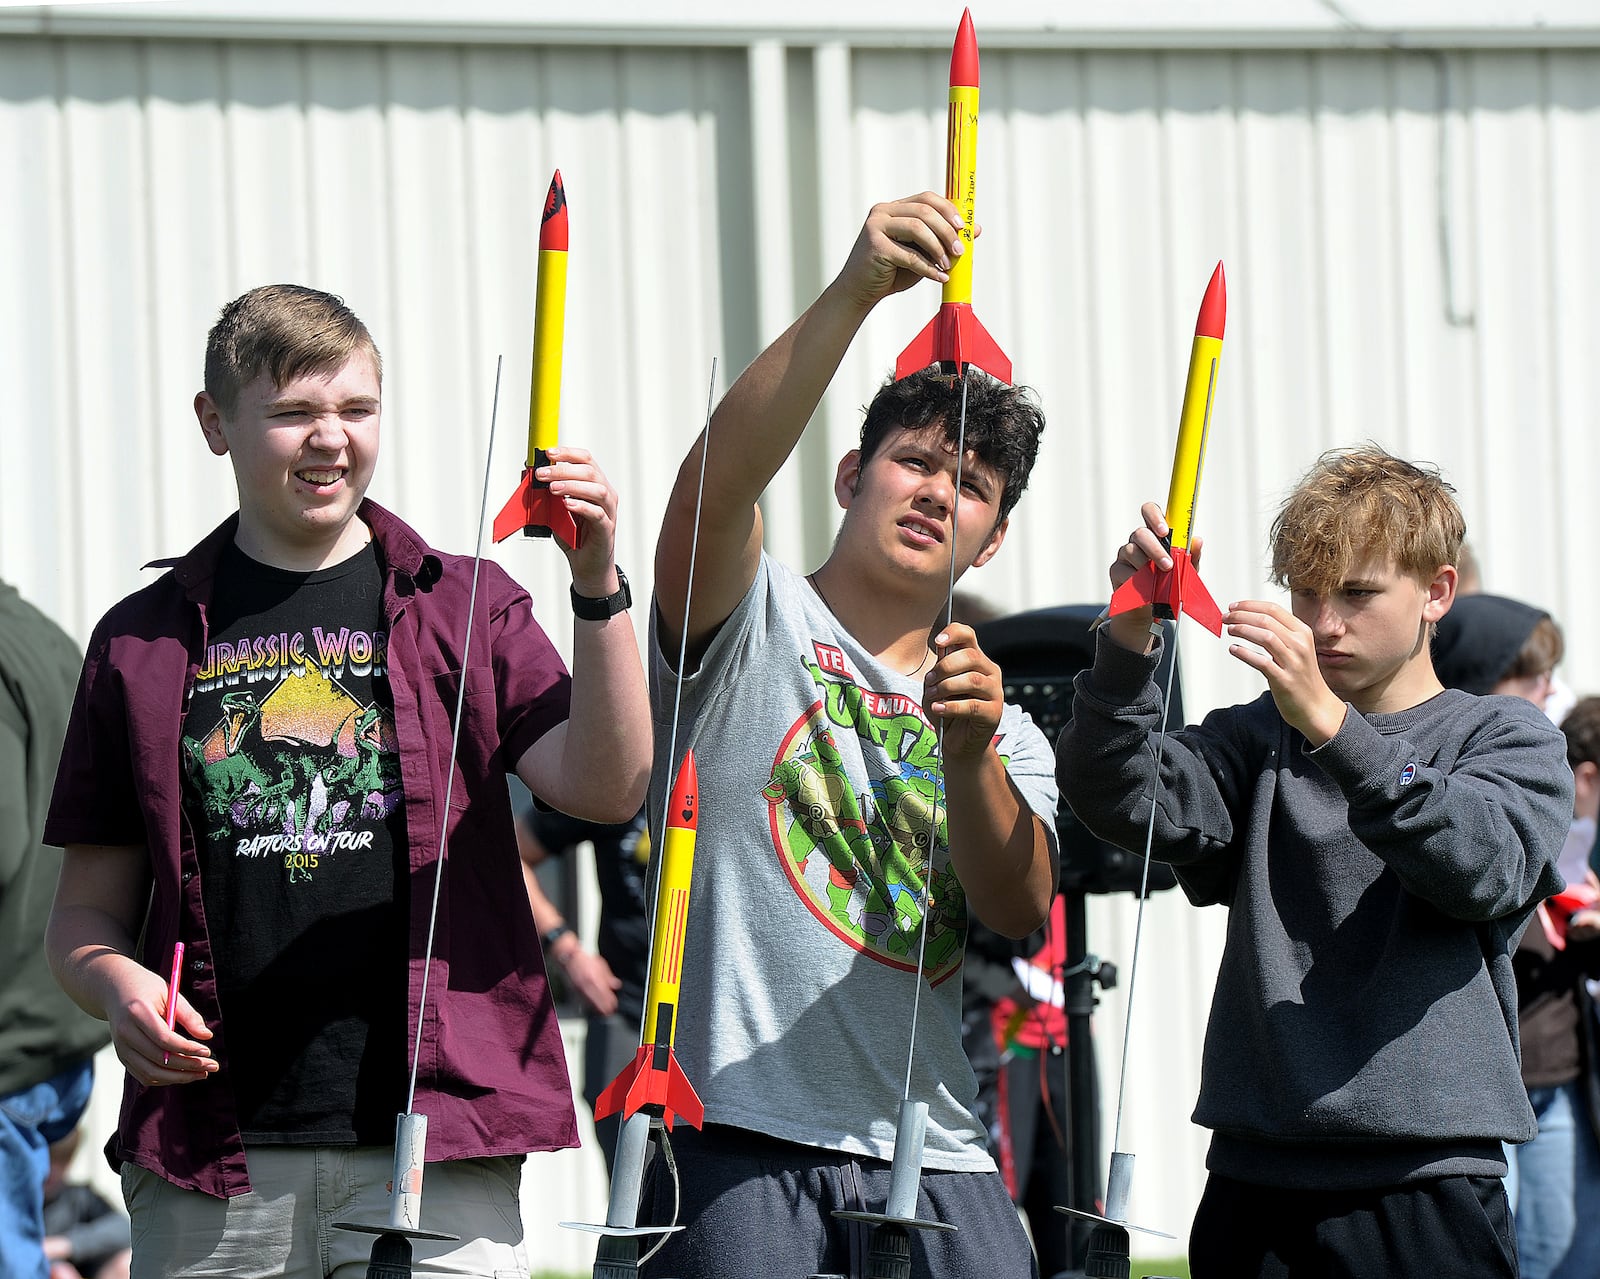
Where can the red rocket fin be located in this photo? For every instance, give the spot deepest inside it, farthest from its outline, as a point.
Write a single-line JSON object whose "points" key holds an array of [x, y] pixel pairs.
{"points": [[955, 336], [644, 1083], [1178, 590], [534, 507], [682, 1100], [618, 1095]]}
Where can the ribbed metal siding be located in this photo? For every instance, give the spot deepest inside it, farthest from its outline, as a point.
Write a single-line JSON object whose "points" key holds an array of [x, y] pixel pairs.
{"points": [[1407, 241]]}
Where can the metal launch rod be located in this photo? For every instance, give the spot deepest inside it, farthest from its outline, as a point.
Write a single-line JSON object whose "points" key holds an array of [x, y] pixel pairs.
{"points": [[391, 1251], [617, 1255]]}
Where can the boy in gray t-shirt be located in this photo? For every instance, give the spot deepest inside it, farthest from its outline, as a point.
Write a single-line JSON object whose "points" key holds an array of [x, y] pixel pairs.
{"points": [[814, 706], [1380, 842]]}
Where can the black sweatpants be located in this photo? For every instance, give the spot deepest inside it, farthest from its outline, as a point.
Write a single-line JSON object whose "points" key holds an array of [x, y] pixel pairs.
{"points": [[1458, 1227], [759, 1208]]}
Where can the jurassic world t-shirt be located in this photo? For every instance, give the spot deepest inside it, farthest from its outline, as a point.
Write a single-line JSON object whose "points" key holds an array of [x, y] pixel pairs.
{"points": [[292, 789], [822, 833]]}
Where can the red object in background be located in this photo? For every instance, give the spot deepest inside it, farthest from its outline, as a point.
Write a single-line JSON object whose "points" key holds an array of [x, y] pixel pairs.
{"points": [[1031, 1024]]}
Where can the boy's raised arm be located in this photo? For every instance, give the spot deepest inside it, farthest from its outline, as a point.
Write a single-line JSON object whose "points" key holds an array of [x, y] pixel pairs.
{"points": [[596, 764], [761, 418]]}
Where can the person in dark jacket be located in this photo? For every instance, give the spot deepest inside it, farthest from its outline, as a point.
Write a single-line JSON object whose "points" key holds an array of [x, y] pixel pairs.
{"points": [[47, 1045], [1489, 644]]}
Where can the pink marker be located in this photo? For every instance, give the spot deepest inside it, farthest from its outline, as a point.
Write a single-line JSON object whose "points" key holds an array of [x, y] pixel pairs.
{"points": [[172, 994]]}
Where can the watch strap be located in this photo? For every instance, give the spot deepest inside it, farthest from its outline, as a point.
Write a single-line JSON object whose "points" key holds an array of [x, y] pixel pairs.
{"points": [[591, 609]]}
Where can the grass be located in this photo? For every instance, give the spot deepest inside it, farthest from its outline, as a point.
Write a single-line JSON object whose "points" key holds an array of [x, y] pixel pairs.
{"points": [[1178, 1268]]}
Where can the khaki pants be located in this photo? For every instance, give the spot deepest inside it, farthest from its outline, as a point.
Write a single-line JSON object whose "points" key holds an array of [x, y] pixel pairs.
{"points": [[284, 1226]]}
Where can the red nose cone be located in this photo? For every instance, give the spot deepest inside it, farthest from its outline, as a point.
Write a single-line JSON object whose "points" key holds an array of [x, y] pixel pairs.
{"points": [[964, 57], [685, 810], [553, 226], [1213, 307]]}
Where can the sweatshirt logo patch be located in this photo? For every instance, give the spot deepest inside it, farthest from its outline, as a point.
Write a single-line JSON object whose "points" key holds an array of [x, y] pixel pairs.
{"points": [[1408, 774]]}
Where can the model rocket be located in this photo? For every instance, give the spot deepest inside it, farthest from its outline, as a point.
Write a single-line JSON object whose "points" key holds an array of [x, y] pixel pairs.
{"points": [[954, 338], [1179, 589], [533, 509], [654, 1077]]}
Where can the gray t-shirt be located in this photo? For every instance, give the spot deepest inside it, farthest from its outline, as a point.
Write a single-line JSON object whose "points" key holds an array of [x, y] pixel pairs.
{"points": [[819, 779]]}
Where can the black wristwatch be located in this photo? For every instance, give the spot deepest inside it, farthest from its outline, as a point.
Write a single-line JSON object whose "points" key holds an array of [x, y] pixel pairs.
{"points": [[598, 610], [552, 935]]}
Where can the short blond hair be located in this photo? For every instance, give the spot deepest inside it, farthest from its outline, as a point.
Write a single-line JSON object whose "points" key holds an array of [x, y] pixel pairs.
{"points": [[285, 331], [1360, 502]]}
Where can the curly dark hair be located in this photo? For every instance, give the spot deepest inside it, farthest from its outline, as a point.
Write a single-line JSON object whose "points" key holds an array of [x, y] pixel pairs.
{"points": [[1003, 422]]}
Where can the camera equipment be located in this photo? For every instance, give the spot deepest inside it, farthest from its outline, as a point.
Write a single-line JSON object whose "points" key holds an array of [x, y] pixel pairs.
{"points": [[1039, 653]]}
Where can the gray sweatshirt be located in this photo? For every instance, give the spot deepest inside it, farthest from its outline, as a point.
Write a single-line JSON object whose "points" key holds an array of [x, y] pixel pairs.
{"points": [[1364, 1026]]}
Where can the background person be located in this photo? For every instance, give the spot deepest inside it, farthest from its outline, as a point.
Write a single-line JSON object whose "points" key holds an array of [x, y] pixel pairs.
{"points": [[610, 979], [47, 1044], [1502, 647]]}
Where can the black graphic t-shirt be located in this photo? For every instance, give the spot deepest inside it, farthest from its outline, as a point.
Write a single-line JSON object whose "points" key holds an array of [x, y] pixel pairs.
{"points": [[292, 788]]}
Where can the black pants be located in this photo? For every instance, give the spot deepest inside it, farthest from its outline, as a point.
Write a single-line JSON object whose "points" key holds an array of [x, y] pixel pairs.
{"points": [[1037, 1111], [759, 1208], [1443, 1228]]}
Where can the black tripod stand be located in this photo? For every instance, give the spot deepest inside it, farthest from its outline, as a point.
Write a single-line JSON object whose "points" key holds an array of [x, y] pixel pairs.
{"points": [[1039, 653], [1083, 972]]}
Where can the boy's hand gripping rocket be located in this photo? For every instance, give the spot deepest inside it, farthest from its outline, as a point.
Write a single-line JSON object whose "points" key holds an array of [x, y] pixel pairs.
{"points": [[653, 1077], [954, 337], [533, 509], [1179, 589]]}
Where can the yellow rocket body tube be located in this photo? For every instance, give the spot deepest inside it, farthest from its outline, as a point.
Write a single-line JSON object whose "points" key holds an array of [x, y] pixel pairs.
{"points": [[549, 318], [1194, 424], [961, 184], [654, 1078], [666, 951], [534, 511]]}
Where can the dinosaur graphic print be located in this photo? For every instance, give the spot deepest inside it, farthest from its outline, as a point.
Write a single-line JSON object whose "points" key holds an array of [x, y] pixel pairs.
{"points": [[873, 864], [284, 757]]}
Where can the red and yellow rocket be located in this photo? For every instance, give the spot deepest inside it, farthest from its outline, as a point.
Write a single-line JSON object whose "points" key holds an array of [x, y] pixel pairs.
{"points": [[533, 509], [954, 338], [1179, 589], [653, 1077]]}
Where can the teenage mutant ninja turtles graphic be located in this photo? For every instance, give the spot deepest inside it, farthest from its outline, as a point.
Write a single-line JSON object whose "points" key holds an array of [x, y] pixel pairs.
{"points": [[873, 865], [302, 771]]}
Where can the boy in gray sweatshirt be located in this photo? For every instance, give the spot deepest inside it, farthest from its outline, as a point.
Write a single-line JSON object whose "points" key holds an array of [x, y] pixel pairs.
{"points": [[1380, 843]]}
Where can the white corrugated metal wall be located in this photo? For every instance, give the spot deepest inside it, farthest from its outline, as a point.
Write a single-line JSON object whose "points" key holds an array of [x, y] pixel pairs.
{"points": [[1405, 235]]}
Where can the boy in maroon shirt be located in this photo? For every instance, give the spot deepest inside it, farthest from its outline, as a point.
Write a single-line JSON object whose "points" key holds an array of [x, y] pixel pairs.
{"points": [[257, 767]]}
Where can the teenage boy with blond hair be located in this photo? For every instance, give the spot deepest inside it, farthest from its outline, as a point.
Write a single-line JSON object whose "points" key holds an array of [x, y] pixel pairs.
{"points": [[1380, 843], [263, 737]]}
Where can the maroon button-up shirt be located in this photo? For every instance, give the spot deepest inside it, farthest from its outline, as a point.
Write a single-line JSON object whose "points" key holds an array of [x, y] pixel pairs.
{"points": [[492, 1077]]}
